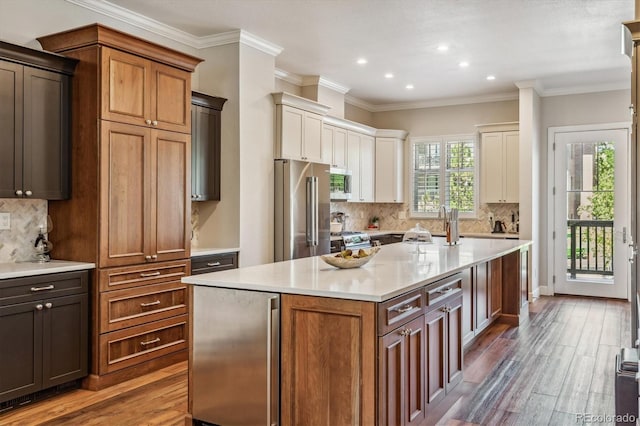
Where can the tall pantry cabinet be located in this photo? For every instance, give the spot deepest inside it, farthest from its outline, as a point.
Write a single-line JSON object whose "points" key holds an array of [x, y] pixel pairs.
{"points": [[130, 209]]}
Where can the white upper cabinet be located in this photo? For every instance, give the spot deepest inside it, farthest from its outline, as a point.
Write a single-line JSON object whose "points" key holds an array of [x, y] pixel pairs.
{"points": [[389, 169], [499, 159], [299, 128], [334, 146], [361, 162]]}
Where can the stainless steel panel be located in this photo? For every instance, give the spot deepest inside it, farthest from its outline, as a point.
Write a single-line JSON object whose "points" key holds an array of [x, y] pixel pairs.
{"points": [[235, 357]]}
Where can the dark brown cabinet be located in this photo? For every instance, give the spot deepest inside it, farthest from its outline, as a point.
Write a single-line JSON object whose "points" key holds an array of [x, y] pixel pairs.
{"points": [[34, 123], [205, 146], [482, 297], [213, 262], [388, 238], [43, 328]]}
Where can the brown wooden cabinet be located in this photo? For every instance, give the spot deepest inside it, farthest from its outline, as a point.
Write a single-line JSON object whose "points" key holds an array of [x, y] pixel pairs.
{"points": [[213, 263], [482, 297], [44, 332], [34, 123], [130, 212], [206, 114]]}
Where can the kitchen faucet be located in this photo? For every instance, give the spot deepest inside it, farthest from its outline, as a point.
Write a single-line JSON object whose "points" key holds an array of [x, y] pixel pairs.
{"points": [[443, 211]]}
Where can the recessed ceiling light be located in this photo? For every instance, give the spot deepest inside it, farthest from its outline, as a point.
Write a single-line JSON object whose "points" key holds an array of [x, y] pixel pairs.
{"points": [[409, 86], [491, 77], [463, 64], [361, 61], [443, 48], [388, 75]]}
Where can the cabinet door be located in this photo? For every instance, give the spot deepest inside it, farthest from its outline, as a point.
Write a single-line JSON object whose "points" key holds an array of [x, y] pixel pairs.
{"points": [[126, 96], [125, 201], [367, 168], [353, 164], [481, 288], [21, 354], [46, 135], [340, 148], [491, 167], [205, 154], [170, 98], [328, 133], [170, 211], [389, 170], [495, 284], [468, 303], [402, 374], [292, 133], [454, 343], [312, 139], [511, 142], [11, 125], [435, 322], [64, 339]]}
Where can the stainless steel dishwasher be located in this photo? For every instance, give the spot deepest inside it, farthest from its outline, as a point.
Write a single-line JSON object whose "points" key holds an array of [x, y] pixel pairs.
{"points": [[236, 357]]}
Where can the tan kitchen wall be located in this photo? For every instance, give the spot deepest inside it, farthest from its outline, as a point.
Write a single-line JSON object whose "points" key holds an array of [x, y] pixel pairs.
{"points": [[284, 86], [357, 114]]}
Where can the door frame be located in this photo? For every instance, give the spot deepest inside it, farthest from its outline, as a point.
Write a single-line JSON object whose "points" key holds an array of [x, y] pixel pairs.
{"points": [[551, 172]]}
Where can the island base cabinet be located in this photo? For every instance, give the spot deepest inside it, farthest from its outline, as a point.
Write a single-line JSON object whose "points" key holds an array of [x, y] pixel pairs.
{"points": [[401, 375], [328, 364]]}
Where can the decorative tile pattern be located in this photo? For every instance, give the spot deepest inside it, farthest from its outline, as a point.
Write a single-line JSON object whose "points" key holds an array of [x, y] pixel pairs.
{"points": [[16, 244], [358, 215], [195, 224]]}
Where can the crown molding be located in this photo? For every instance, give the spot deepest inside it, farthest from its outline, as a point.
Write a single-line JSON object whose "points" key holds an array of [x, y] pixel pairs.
{"points": [[284, 98], [350, 125], [530, 84], [352, 100], [591, 88], [507, 126], [315, 80], [392, 133], [143, 22], [288, 77]]}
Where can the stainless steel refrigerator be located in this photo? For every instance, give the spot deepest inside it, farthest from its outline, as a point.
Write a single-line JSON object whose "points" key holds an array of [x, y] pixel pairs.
{"points": [[301, 209], [235, 357]]}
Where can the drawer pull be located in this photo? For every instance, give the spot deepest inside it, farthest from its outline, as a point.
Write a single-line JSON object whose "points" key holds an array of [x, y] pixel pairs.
{"points": [[446, 290], [150, 274], [406, 332], [145, 305], [39, 307], [48, 305], [47, 287], [150, 342], [405, 308], [213, 264]]}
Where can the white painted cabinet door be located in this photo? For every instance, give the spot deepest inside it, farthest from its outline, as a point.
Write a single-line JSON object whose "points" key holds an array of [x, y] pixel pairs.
{"points": [[367, 168], [327, 143], [292, 133], [511, 142], [389, 170], [340, 148], [312, 138], [353, 164]]}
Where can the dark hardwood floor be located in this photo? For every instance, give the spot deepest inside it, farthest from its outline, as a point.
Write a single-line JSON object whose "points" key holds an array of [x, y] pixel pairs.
{"points": [[559, 364]]}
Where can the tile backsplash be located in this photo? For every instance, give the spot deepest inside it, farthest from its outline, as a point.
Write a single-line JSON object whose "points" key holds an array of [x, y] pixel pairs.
{"points": [[16, 244], [389, 215]]}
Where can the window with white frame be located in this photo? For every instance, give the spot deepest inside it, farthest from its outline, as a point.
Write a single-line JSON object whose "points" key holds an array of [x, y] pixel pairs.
{"points": [[444, 172]]}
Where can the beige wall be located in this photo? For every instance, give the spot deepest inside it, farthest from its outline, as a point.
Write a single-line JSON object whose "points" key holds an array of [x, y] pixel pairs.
{"points": [[357, 114], [285, 86]]}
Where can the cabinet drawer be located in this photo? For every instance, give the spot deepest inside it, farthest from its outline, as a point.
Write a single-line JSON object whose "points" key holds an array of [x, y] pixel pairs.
{"points": [[442, 289], [213, 263], [124, 348], [19, 290], [128, 307], [399, 310], [134, 276]]}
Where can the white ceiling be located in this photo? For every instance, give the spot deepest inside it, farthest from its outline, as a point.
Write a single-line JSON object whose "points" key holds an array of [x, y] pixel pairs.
{"points": [[568, 46]]}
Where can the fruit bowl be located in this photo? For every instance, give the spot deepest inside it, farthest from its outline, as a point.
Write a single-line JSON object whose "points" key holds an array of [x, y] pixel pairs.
{"points": [[347, 259]]}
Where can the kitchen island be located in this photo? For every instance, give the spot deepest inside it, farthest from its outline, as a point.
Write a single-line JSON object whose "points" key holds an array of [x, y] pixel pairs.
{"points": [[371, 345]]}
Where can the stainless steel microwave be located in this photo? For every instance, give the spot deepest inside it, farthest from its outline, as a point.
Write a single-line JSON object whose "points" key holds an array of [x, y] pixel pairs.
{"points": [[340, 184]]}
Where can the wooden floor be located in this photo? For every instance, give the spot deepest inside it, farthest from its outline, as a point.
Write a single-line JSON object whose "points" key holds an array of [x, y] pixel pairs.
{"points": [[559, 364]]}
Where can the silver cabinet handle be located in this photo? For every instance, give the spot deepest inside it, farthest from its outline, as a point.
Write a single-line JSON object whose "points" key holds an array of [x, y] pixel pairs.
{"points": [[154, 256], [213, 264], [48, 305], [150, 342], [150, 274], [154, 122], [39, 306], [446, 290], [147, 258], [28, 193], [145, 305], [19, 193], [47, 287], [405, 308], [147, 121]]}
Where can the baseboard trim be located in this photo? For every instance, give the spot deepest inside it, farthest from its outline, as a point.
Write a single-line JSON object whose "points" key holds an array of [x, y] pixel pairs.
{"points": [[545, 291]]}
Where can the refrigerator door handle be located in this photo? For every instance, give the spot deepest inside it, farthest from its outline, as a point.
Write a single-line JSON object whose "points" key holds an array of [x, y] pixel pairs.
{"points": [[309, 212], [316, 218], [273, 364]]}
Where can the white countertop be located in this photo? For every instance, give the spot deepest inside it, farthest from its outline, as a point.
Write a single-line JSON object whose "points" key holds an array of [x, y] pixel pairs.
{"points": [[203, 251], [396, 269], [27, 269], [504, 235]]}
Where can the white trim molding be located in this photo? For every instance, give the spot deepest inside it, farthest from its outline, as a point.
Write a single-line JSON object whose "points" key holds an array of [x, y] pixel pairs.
{"points": [[143, 22], [508, 126], [350, 125], [315, 80], [288, 77], [284, 98]]}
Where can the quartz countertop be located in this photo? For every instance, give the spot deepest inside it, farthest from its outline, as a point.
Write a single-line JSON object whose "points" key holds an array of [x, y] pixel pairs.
{"points": [[396, 269], [504, 235], [27, 269], [204, 251]]}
